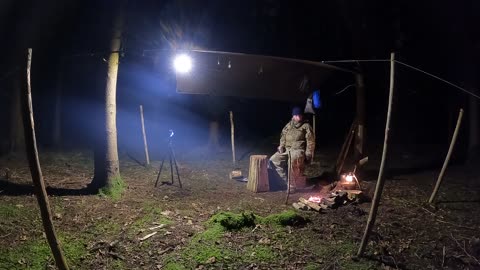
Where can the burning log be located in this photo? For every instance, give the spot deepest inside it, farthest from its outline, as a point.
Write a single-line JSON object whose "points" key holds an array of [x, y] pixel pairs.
{"points": [[258, 174], [334, 200], [300, 206], [310, 204]]}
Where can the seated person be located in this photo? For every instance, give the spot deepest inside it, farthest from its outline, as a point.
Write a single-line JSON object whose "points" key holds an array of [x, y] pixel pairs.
{"points": [[297, 138]]}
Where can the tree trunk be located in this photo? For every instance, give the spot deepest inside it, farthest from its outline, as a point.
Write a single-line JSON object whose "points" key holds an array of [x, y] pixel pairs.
{"points": [[108, 153], [57, 120], [17, 141], [35, 170], [473, 136], [213, 136]]}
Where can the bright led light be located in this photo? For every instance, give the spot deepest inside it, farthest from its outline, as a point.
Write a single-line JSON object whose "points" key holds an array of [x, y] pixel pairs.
{"points": [[182, 63], [349, 178]]}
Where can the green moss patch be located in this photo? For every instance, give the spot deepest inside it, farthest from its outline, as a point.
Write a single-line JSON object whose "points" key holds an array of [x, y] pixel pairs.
{"points": [[36, 254], [115, 189], [231, 221], [287, 218], [151, 214]]}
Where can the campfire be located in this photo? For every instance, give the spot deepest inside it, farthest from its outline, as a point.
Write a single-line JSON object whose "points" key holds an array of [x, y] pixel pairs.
{"points": [[349, 182], [345, 192]]}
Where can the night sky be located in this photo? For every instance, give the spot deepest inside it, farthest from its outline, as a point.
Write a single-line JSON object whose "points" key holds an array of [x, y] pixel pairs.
{"points": [[441, 37]]}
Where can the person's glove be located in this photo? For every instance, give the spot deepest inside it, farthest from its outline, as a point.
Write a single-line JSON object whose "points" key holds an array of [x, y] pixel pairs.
{"points": [[308, 160], [280, 149]]}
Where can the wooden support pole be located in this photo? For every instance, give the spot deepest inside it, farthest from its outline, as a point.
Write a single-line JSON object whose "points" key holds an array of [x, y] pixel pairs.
{"points": [[232, 131], [345, 142], [381, 178], [361, 117], [447, 158], [289, 175], [345, 153], [345, 148], [145, 145], [315, 125], [36, 171]]}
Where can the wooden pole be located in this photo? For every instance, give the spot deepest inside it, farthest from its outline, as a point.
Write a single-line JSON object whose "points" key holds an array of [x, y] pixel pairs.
{"points": [[345, 153], [232, 129], [361, 117], [315, 125], [447, 158], [289, 174], [145, 145], [381, 179], [36, 171], [344, 145]]}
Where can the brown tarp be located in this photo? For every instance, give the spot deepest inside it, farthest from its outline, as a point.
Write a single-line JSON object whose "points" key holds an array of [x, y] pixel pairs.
{"points": [[253, 76]]}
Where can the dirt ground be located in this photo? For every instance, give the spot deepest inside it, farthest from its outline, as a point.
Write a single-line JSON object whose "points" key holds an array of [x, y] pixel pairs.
{"points": [[99, 232]]}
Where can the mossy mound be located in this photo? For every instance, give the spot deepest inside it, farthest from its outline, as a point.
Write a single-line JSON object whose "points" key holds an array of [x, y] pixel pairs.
{"points": [[231, 221], [287, 218]]}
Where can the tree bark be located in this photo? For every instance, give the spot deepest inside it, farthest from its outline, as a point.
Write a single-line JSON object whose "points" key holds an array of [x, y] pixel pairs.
{"points": [[473, 136], [36, 171], [57, 120], [213, 136], [108, 154], [17, 140]]}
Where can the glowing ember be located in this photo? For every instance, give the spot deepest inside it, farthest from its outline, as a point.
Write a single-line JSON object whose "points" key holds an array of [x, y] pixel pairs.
{"points": [[349, 178], [315, 199]]}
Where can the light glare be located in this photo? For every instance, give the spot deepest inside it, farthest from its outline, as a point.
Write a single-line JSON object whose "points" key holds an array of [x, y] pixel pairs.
{"points": [[182, 63]]}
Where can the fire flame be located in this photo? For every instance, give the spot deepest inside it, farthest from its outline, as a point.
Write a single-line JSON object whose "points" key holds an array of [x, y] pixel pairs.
{"points": [[349, 178], [315, 199]]}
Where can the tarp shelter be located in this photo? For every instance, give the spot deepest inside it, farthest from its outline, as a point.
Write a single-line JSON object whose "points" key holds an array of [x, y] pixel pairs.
{"points": [[254, 76]]}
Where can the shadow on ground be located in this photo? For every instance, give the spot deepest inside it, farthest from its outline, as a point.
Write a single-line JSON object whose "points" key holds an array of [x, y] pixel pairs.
{"points": [[14, 189]]}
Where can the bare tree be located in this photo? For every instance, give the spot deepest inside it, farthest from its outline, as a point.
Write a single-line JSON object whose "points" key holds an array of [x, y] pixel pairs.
{"points": [[17, 142], [107, 171]]}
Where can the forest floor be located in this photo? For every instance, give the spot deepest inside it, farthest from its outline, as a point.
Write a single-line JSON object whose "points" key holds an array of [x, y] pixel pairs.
{"points": [[99, 232]]}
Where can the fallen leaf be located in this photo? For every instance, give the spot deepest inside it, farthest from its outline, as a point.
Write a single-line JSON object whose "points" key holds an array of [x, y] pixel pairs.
{"points": [[166, 213], [211, 260], [265, 241]]}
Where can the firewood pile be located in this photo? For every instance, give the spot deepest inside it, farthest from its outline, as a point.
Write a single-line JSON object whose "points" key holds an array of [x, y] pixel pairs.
{"points": [[330, 201]]}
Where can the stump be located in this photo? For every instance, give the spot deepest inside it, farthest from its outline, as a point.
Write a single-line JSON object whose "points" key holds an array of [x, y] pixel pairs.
{"points": [[258, 174]]}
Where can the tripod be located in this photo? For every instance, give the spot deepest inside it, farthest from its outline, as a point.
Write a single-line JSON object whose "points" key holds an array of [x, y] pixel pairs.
{"points": [[173, 160]]}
